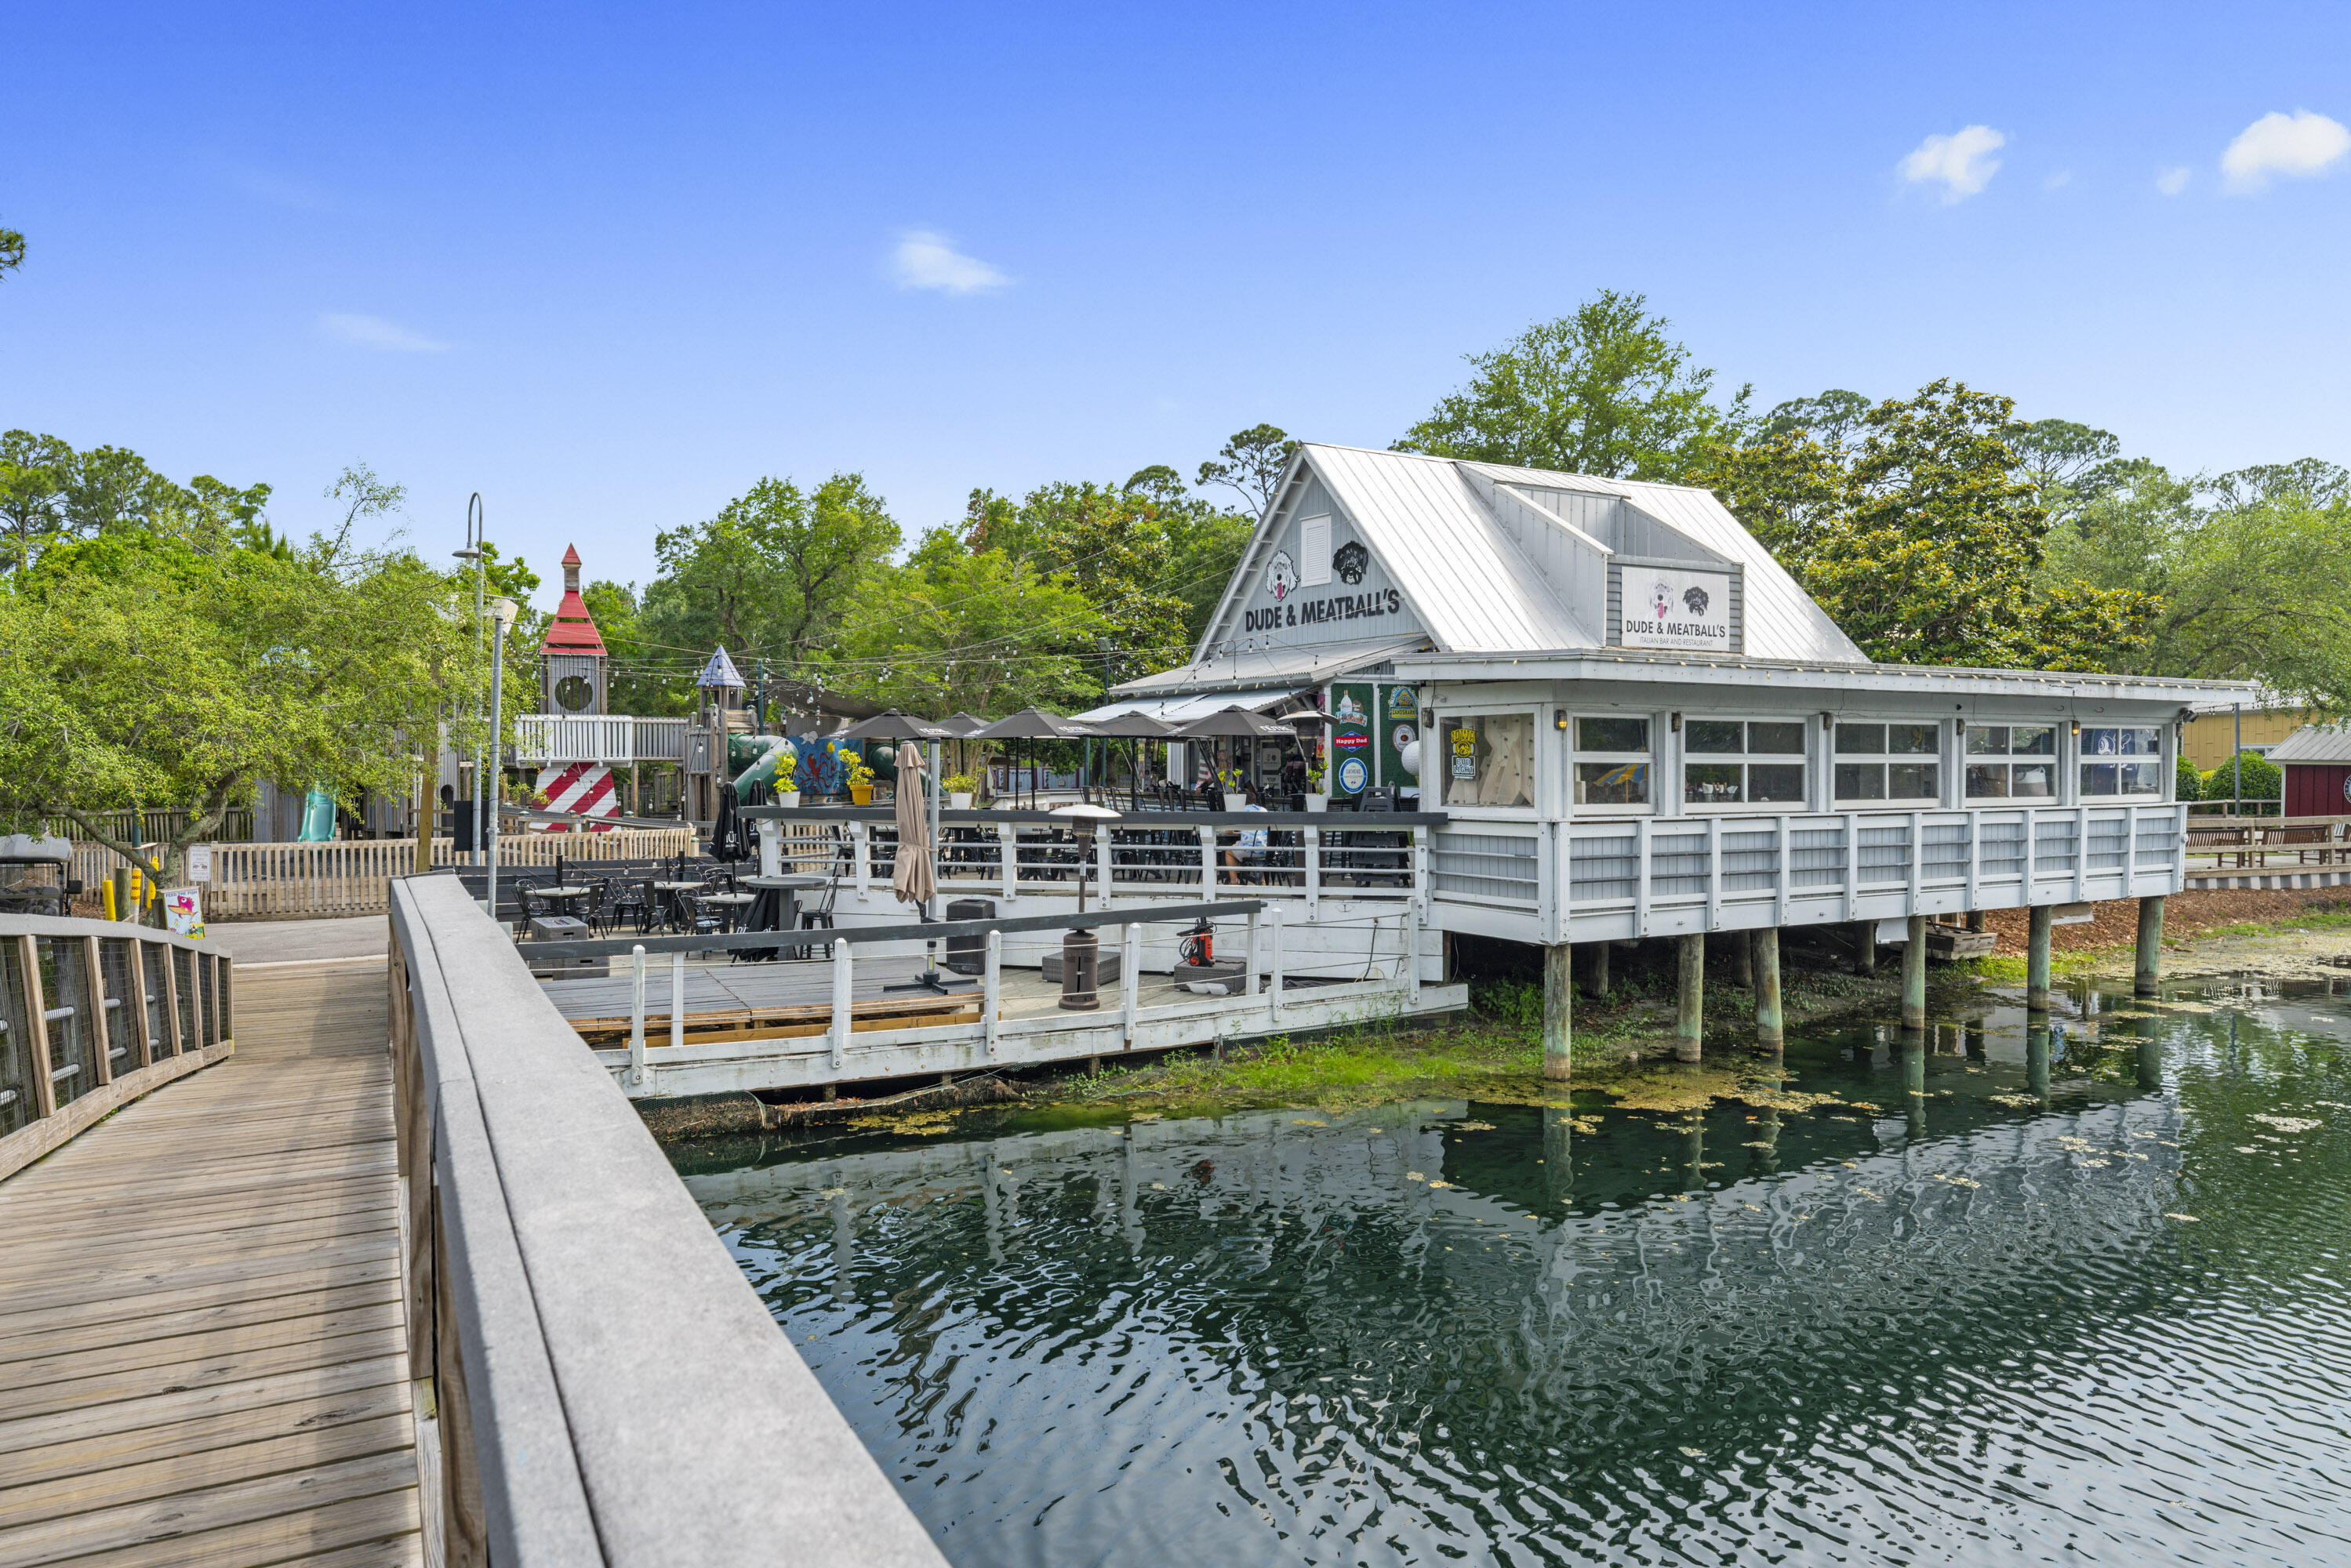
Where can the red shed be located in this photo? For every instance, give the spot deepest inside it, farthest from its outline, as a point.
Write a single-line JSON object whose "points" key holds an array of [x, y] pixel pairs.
{"points": [[2316, 761]]}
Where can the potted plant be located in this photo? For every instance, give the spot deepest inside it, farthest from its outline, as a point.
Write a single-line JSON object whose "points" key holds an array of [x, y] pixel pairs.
{"points": [[959, 788], [861, 781], [1318, 798], [788, 790]]}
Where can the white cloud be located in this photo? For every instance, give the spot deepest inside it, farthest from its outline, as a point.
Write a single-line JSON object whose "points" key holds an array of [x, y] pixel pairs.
{"points": [[2171, 182], [928, 260], [375, 332], [2300, 144], [1963, 162], [2059, 181]]}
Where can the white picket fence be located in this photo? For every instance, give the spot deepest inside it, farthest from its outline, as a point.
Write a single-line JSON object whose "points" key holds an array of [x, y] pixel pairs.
{"points": [[259, 882]]}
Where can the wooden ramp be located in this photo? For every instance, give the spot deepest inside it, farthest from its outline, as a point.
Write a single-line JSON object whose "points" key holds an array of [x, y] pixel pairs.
{"points": [[202, 1356]]}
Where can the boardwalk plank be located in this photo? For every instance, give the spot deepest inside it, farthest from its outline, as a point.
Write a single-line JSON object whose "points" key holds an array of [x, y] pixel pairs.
{"points": [[203, 1342]]}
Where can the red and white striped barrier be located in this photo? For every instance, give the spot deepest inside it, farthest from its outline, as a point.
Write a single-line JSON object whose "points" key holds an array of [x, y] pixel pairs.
{"points": [[584, 788]]}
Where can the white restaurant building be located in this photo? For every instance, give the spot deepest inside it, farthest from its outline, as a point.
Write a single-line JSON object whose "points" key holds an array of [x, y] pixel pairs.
{"points": [[1638, 725]]}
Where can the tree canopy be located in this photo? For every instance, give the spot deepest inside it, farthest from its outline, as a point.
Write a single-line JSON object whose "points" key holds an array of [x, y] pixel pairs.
{"points": [[1924, 537], [1606, 390]]}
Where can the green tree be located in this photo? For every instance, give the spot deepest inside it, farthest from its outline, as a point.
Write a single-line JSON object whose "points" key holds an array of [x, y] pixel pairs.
{"points": [[1926, 541], [1252, 462], [1109, 543], [1834, 419], [12, 251], [2068, 463], [2245, 571], [2261, 780], [774, 573], [1605, 391], [141, 671], [956, 629], [50, 494]]}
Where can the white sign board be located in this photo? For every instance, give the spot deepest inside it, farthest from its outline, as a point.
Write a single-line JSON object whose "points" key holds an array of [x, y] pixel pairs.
{"points": [[1668, 607], [183, 912], [200, 863]]}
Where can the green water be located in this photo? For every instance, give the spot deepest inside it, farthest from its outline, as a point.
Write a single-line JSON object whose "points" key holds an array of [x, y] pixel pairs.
{"points": [[2061, 1297]]}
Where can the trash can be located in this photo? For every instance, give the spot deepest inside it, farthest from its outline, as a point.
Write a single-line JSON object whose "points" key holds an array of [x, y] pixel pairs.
{"points": [[968, 955]]}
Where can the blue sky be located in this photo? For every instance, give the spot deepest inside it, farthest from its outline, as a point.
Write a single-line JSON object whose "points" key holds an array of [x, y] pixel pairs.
{"points": [[609, 267]]}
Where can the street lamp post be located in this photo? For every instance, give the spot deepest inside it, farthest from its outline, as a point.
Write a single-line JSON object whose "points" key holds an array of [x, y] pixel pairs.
{"points": [[502, 614], [477, 523]]}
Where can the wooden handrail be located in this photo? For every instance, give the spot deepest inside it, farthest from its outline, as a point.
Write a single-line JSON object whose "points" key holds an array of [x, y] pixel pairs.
{"points": [[611, 1389]]}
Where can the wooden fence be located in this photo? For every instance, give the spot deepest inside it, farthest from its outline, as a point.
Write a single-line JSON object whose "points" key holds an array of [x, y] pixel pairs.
{"points": [[263, 882]]}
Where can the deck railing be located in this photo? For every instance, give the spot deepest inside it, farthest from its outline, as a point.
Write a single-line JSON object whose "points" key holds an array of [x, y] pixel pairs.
{"points": [[1637, 876], [93, 1014], [610, 1388], [1306, 858], [608, 738], [351, 876]]}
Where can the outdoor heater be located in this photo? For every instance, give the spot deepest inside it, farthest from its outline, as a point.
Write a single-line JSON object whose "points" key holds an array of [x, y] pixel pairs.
{"points": [[1080, 948]]}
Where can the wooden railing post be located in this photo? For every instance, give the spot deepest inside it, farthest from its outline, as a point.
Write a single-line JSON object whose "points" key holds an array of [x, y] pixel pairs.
{"points": [[45, 1092], [101, 1039], [136, 951], [991, 994], [1130, 981], [843, 1004], [1273, 1004]]}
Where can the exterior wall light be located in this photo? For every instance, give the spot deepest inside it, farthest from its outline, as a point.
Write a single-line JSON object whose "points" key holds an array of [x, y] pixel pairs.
{"points": [[1559, 719], [1674, 722]]}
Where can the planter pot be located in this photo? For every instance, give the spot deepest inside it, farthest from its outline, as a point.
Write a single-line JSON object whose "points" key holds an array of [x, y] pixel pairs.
{"points": [[791, 800], [862, 794], [1318, 802], [959, 801]]}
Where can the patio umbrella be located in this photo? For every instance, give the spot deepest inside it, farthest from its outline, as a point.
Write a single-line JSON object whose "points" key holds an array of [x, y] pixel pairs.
{"points": [[914, 880], [892, 724], [1136, 728], [1236, 722], [1036, 724]]}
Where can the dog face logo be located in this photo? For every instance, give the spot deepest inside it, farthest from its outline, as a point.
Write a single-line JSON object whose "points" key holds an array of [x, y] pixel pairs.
{"points": [[1280, 576], [1695, 598], [1350, 561]]}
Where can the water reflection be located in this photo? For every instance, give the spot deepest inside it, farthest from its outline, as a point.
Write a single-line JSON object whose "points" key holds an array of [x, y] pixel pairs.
{"points": [[1954, 1315]]}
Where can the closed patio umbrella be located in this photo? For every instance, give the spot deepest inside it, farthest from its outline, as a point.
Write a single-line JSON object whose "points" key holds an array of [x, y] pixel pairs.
{"points": [[914, 880]]}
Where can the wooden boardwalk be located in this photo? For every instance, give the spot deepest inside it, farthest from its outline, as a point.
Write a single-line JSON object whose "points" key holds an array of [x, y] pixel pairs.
{"points": [[202, 1356]]}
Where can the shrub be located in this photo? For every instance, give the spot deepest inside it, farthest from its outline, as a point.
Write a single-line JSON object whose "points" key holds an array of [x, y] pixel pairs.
{"points": [[2263, 780], [2190, 786]]}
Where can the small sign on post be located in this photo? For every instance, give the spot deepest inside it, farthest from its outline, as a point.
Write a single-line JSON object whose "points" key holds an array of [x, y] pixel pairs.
{"points": [[184, 913], [200, 863]]}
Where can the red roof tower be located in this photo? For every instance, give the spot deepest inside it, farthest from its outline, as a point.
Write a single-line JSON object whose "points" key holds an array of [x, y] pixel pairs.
{"points": [[573, 630]]}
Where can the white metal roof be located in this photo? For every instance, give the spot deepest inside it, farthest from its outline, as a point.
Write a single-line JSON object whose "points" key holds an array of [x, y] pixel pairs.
{"points": [[1454, 562], [1184, 709], [1782, 620], [2314, 743], [1234, 672]]}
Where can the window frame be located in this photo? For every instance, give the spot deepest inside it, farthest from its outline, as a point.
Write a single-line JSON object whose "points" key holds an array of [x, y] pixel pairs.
{"points": [[1445, 720], [1746, 758], [1577, 756], [1937, 758], [2159, 760], [2010, 760]]}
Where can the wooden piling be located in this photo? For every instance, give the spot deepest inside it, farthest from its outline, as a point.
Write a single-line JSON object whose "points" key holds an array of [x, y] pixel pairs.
{"points": [[1558, 981], [1690, 1011], [1914, 975], [1769, 1030], [2036, 959], [1865, 947], [2147, 976], [1742, 959], [1595, 979]]}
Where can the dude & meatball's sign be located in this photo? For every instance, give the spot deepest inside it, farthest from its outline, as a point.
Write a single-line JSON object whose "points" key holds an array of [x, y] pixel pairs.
{"points": [[1666, 607]]}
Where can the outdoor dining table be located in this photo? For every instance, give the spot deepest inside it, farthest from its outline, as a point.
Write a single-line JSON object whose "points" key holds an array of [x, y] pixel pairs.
{"points": [[563, 898], [733, 902], [786, 888]]}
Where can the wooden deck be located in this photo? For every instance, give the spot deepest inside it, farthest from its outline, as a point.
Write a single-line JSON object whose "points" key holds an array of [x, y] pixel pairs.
{"points": [[202, 1356]]}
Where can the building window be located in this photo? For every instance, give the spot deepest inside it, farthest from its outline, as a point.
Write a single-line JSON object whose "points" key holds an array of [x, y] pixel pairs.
{"points": [[1889, 763], [1743, 762], [1490, 760], [2012, 762], [1612, 761], [2127, 760]]}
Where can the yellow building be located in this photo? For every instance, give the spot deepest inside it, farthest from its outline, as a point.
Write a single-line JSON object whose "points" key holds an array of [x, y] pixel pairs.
{"points": [[2205, 741]]}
